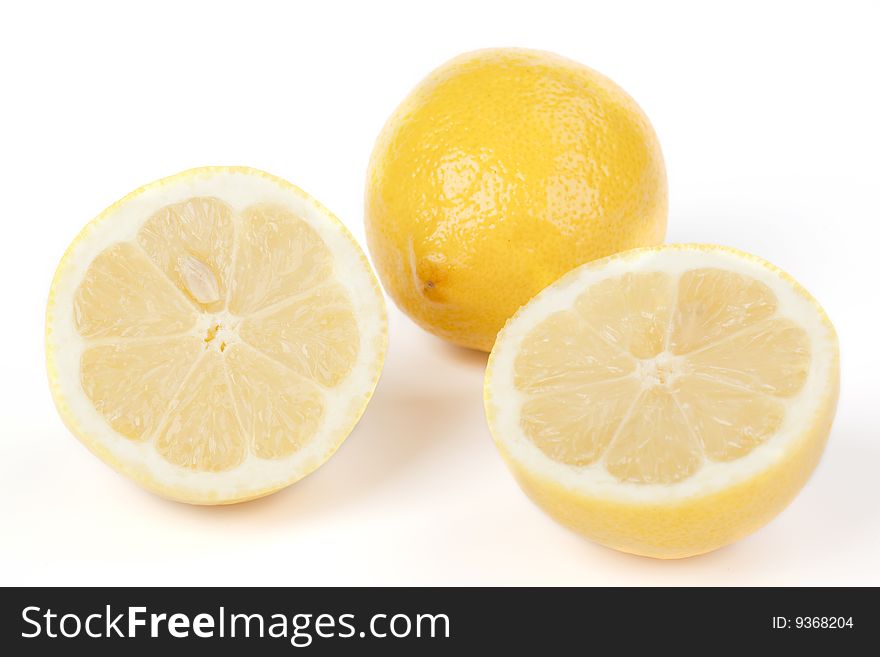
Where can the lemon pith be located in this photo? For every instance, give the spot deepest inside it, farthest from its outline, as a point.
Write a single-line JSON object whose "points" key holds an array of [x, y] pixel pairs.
{"points": [[665, 401], [214, 335], [501, 171]]}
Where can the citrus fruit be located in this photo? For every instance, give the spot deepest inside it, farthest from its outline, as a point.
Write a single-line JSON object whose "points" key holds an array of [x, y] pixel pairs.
{"points": [[665, 401], [214, 335], [500, 172]]}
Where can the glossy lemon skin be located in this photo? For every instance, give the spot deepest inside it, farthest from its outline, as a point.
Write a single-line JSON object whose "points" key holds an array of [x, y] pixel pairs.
{"points": [[501, 171]]}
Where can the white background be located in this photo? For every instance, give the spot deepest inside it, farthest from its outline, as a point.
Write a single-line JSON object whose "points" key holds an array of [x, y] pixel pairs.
{"points": [[768, 116]]}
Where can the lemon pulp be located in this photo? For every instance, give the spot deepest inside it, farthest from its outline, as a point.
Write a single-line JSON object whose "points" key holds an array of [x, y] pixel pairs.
{"points": [[654, 375]]}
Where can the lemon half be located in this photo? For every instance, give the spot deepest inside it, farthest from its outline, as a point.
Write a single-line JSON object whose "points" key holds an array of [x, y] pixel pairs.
{"points": [[214, 335], [665, 401]]}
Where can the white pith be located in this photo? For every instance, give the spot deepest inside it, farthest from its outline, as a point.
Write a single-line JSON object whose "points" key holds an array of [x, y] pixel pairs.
{"points": [[343, 404], [504, 400]]}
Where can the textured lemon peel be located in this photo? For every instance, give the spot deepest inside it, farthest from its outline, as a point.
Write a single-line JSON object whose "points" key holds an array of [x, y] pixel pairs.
{"points": [[503, 148]]}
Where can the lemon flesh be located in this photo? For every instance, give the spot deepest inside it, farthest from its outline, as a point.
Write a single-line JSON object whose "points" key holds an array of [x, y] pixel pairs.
{"points": [[665, 401], [500, 172], [214, 335]]}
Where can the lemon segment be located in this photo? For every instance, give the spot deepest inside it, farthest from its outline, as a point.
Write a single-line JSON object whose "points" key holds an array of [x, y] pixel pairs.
{"points": [[323, 326], [191, 242], [123, 296], [201, 431], [637, 388], [131, 384], [281, 412], [279, 256], [215, 335]]}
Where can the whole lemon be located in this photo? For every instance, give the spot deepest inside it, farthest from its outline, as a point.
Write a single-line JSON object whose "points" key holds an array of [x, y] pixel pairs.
{"points": [[501, 171]]}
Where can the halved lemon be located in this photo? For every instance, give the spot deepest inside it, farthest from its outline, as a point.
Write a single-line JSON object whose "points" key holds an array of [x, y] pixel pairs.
{"points": [[214, 335], [665, 401]]}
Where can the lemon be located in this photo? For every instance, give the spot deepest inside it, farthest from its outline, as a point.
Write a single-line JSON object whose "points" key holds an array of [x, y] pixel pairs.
{"points": [[214, 335], [500, 172], [665, 401]]}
